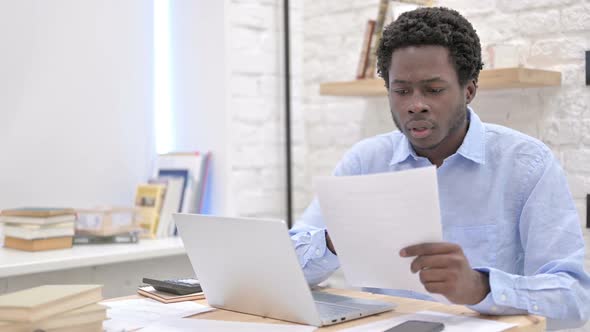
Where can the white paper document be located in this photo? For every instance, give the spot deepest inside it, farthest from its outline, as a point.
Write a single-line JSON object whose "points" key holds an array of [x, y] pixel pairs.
{"points": [[126, 315], [453, 323], [190, 325], [370, 218]]}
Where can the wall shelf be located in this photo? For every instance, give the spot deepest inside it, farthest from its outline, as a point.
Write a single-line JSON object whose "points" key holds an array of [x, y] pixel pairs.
{"points": [[505, 78], [17, 263], [427, 3]]}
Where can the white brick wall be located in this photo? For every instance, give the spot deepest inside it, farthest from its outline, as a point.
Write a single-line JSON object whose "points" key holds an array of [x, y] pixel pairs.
{"points": [[256, 127], [256, 110]]}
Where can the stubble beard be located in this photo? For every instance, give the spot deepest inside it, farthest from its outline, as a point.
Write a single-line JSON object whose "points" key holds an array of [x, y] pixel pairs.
{"points": [[459, 117]]}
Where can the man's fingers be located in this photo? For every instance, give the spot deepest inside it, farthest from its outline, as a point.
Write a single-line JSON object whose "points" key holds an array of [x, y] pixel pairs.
{"points": [[433, 275], [432, 261], [437, 287], [434, 248]]}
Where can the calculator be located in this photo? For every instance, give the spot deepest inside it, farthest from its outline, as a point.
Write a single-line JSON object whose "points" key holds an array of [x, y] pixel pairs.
{"points": [[175, 286]]}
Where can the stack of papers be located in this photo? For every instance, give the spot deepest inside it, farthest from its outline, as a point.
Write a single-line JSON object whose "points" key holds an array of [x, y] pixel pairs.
{"points": [[133, 314]]}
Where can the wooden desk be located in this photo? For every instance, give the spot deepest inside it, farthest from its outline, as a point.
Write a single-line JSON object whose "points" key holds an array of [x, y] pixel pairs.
{"points": [[405, 306]]}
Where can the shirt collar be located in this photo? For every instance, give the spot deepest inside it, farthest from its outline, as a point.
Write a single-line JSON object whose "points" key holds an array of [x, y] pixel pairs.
{"points": [[474, 143], [472, 148], [402, 151]]}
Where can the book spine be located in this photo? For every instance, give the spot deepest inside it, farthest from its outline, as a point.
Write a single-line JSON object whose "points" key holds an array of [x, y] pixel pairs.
{"points": [[37, 220], [189, 193], [380, 22], [364, 58], [38, 244], [33, 234], [203, 181]]}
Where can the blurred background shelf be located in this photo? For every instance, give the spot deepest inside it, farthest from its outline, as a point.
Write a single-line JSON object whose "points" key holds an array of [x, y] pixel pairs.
{"points": [[505, 78]]}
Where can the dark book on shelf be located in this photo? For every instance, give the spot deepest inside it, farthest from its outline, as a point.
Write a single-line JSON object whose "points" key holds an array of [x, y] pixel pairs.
{"points": [[379, 23], [130, 237], [366, 48]]}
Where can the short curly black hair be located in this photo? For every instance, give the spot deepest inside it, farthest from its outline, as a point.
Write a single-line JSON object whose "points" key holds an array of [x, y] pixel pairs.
{"points": [[433, 26]]}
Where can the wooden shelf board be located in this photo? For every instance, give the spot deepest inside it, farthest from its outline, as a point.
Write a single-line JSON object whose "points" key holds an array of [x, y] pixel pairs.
{"points": [[509, 78], [16, 262], [505, 78], [368, 87], [427, 3]]}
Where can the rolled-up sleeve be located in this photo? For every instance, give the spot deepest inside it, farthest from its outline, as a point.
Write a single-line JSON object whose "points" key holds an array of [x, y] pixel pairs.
{"points": [[317, 261]]}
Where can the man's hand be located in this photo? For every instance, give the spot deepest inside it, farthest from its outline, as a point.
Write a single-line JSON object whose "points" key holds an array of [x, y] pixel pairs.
{"points": [[444, 269], [329, 243]]}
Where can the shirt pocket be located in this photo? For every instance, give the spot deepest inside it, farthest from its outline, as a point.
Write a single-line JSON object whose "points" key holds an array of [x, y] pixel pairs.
{"points": [[479, 243]]}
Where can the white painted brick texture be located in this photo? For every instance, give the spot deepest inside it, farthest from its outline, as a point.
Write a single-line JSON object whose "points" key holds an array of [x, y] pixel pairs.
{"points": [[256, 127]]}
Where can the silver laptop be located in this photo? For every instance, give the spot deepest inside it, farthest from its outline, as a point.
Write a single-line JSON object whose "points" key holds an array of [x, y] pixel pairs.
{"points": [[249, 265]]}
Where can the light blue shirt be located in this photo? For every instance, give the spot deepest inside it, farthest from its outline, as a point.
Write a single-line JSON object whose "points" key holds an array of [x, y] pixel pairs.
{"points": [[505, 200]]}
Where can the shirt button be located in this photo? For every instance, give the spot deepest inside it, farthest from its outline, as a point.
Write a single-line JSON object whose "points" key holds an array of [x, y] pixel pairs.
{"points": [[494, 309], [503, 297], [317, 252], [536, 307]]}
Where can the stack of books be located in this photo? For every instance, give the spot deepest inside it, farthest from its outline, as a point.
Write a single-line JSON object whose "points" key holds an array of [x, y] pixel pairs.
{"points": [[164, 297], [55, 308], [36, 229]]}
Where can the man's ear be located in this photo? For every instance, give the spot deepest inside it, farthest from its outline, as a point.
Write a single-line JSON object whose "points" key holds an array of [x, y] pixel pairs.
{"points": [[470, 91]]}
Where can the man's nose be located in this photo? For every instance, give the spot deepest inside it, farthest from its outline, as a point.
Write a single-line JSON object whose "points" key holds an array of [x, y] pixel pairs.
{"points": [[417, 105]]}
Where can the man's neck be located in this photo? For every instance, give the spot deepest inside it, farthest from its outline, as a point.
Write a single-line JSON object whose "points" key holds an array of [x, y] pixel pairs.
{"points": [[447, 147]]}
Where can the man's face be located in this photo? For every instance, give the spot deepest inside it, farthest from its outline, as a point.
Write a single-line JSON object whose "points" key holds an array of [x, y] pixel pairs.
{"points": [[427, 103]]}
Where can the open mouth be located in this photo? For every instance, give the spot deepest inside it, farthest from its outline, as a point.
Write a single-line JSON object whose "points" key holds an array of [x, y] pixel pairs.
{"points": [[419, 129], [420, 132]]}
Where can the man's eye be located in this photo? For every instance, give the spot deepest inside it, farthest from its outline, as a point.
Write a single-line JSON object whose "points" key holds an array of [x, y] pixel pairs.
{"points": [[436, 90], [401, 91]]}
